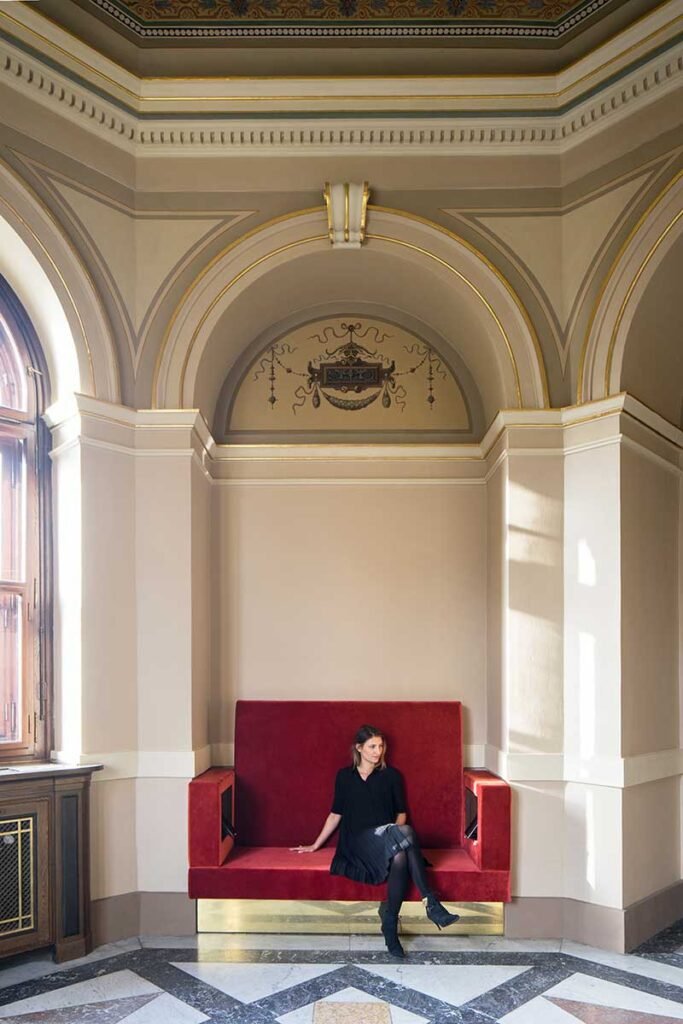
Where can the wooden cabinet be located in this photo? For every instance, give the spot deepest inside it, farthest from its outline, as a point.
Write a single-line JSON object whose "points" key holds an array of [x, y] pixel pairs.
{"points": [[45, 859]]}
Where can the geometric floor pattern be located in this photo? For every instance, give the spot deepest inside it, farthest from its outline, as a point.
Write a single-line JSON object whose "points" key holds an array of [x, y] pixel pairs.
{"points": [[342, 980]]}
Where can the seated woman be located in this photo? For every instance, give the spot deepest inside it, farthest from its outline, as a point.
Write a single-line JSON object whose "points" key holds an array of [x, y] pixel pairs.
{"points": [[375, 843]]}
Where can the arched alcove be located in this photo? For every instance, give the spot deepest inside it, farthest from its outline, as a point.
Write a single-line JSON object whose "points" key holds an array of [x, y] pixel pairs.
{"points": [[652, 362], [53, 286], [616, 323], [411, 267]]}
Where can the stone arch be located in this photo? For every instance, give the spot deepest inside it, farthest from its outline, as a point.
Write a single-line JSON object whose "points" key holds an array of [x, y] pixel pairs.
{"points": [[437, 277], [49, 279], [602, 355]]}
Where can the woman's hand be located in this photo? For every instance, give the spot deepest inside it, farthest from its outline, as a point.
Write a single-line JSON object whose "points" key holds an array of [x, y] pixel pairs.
{"points": [[328, 828]]}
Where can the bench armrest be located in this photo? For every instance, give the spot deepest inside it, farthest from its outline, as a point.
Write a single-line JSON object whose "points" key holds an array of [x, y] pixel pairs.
{"points": [[491, 849], [211, 811]]}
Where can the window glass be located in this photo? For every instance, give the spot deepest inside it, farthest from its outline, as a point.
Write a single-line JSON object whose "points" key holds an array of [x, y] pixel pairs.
{"points": [[12, 510], [25, 653], [13, 377], [11, 659]]}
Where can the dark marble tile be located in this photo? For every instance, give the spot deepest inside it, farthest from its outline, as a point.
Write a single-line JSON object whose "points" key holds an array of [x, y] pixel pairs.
{"points": [[666, 941], [304, 993], [106, 1011], [53, 982], [198, 994]]}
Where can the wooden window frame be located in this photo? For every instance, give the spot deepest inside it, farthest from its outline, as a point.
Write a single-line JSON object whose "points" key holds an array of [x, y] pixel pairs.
{"points": [[36, 733]]}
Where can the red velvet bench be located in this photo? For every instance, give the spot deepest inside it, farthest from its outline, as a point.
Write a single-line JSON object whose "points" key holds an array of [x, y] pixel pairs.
{"points": [[278, 795]]}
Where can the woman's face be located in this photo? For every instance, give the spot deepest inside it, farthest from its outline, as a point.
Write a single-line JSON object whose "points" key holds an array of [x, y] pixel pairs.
{"points": [[372, 750]]}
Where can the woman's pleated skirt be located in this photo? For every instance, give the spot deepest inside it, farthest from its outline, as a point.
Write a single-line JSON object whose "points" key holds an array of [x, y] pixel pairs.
{"points": [[366, 856]]}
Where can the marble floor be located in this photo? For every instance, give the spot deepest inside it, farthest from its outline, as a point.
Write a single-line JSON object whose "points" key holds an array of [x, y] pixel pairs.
{"points": [[348, 980]]}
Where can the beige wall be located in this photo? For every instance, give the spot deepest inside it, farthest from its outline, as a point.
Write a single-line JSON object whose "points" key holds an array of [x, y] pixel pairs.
{"points": [[110, 608], [538, 845], [164, 588], [113, 837], [340, 589], [650, 592], [202, 612], [496, 725], [652, 851], [592, 665], [534, 601]]}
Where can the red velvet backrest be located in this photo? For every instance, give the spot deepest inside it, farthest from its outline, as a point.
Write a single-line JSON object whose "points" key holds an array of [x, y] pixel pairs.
{"points": [[287, 754]]}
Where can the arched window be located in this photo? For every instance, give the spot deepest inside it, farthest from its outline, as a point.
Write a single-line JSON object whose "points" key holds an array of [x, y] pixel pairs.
{"points": [[24, 551]]}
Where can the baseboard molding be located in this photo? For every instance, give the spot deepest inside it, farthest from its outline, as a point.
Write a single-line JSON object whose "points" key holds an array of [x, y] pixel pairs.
{"points": [[648, 916], [548, 917], [605, 927], [527, 917], [115, 917], [142, 913]]}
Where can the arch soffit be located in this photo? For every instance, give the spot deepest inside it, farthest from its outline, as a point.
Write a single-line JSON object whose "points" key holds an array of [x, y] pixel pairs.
{"points": [[377, 311], [644, 249], [304, 232], [54, 287]]}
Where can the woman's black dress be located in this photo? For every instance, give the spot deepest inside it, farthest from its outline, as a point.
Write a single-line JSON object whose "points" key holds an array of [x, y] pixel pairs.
{"points": [[362, 855]]}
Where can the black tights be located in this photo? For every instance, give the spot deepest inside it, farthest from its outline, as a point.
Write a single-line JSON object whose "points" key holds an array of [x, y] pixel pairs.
{"points": [[406, 864]]}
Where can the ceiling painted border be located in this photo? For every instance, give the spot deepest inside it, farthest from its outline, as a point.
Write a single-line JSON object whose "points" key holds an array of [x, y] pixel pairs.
{"points": [[490, 19]]}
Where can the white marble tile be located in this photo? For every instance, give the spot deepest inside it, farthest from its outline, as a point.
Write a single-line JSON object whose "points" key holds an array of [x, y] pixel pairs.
{"points": [[304, 1015], [284, 942], [42, 964], [459, 943], [166, 1009], [250, 982], [623, 962], [111, 949], [172, 941], [206, 943], [595, 992], [39, 967], [105, 986], [479, 943], [538, 1011], [452, 984], [103, 953], [374, 943]]}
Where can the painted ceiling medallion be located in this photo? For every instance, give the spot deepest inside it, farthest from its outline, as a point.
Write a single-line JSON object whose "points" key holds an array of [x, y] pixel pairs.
{"points": [[215, 18]]}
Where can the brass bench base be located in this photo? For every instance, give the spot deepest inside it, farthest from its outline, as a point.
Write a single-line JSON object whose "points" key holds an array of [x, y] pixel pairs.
{"points": [[337, 917]]}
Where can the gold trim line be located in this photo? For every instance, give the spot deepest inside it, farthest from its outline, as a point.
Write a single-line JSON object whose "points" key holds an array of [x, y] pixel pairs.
{"points": [[409, 216]]}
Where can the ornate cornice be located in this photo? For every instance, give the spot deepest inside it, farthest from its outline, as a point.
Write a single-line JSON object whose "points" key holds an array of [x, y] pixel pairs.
{"points": [[291, 115], [472, 129]]}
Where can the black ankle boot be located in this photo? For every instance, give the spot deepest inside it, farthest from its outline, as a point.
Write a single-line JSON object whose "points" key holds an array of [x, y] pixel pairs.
{"points": [[390, 931], [437, 913]]}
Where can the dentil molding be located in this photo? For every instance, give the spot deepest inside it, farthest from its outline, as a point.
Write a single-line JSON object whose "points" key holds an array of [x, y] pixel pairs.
{"points": [[471, 129]]}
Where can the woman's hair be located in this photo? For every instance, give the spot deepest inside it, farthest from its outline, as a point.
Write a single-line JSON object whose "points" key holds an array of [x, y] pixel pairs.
{"points": [[365, 733]]}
